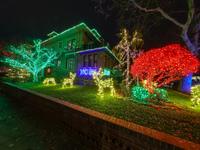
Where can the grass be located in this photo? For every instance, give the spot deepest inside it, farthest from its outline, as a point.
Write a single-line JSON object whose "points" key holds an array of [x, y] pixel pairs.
{"points": [[177, 118]]}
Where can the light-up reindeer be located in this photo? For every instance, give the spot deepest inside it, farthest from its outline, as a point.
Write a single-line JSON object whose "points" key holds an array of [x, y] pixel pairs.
{"points": [[47, 80], [69, 80], [103, 83]]}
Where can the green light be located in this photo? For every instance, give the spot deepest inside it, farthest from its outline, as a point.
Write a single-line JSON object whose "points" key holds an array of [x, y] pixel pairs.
{"points": [[32, 60], [81, 24], [106, 72], [140, 93]]}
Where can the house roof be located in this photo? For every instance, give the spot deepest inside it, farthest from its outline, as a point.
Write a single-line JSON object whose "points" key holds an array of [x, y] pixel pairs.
{"points": [[96, 35], [105, 48]]}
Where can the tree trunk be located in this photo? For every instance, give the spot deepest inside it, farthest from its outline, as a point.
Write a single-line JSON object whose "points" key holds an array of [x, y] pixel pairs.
{"points": [[35, 77], [186, 83]]}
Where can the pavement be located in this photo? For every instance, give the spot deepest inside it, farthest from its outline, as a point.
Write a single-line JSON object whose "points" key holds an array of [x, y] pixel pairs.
{"points": [[21, 129]]}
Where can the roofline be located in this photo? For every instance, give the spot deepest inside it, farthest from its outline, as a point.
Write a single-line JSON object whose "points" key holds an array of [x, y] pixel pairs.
{"points": [[69, 30], [104, 48]]}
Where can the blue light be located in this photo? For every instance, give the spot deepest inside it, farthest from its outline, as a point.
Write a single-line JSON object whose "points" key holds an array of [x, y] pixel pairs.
{"points": [[87, 71]]}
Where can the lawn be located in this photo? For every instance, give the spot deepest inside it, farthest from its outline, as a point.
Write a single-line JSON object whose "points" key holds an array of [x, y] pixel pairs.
{"points": [[176, 118]]}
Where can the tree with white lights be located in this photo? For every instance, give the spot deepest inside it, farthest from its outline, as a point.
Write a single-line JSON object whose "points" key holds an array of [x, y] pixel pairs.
{"points": [[33, 58], [187, 20], [126, 48]]}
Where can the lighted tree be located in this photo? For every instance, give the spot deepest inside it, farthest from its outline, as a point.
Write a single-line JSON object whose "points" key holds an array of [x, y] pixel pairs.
{"points": [[163, 65], [187, 20], [125, 48], [33, 58]]}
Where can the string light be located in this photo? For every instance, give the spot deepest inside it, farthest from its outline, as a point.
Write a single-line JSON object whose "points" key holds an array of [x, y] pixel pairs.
{"points": [[33, 61], [70, 81], [195, 91], [97, 76], [48, 80], [163, 65]]}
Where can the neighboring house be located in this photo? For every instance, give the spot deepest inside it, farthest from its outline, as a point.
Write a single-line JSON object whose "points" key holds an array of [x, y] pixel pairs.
{"points": [[82, 50]]}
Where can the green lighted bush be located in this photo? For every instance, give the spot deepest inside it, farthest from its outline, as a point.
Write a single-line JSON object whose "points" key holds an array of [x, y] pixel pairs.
{"points": [[140, 93], [159, 95], [195, 91]]}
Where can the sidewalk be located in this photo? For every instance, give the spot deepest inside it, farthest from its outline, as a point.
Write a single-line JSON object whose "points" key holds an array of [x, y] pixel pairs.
{"points": [[21, 129]]}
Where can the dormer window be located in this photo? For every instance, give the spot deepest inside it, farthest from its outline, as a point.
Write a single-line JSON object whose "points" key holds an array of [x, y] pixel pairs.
{"points": [[71, 45]]}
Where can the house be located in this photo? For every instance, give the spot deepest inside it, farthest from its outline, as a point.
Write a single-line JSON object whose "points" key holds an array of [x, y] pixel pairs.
{"points": [[82, 51]]}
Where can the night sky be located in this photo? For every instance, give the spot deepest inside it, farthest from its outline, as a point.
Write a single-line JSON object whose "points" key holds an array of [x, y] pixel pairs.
{"points": [[37, 18]]}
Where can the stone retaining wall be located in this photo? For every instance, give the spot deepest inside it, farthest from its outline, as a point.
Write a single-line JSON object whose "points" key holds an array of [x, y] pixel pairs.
{"points": [[99, 130]]}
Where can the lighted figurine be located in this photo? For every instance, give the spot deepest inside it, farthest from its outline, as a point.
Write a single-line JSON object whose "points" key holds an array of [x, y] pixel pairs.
{"points": [[69, 80], [103, 83], [47, 80]]}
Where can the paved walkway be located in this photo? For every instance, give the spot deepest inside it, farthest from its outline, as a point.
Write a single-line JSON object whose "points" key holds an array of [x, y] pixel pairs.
{"points": [[21, 129]]}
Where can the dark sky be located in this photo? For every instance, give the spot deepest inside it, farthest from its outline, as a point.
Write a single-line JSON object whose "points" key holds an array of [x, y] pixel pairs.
{"points": [[37, 18]]}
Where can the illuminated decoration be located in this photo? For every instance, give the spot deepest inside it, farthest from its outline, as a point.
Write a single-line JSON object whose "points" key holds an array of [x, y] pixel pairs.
{"points": [[16, 72], [124, 49], [159, 95], [95, 34], [195, 91], [97, 76], [106, 72], [34, 61], [69, 80], [48, 80], [163, 65], [140, 93], [87, 71]]}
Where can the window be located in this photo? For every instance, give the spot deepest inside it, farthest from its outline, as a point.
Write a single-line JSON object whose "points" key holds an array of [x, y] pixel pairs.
{"points": [[105, 62], [71, 45], [59, 63], [85, 61], [95, 60], [70, 63], [60, 45], [108, 62], [89, 60]]}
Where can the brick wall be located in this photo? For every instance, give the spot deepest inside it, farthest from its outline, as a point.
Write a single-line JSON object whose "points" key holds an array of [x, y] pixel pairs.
{"points": [[99, 130]]}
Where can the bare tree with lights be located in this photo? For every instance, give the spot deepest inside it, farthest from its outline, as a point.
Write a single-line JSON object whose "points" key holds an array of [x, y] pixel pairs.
{"points": [[164, 10], [126, 48], [33, 58]]}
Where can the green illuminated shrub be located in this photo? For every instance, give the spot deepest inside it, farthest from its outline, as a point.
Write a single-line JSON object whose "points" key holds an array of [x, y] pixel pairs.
{"points": [[140, 93], [195, 91], [159, 95]]}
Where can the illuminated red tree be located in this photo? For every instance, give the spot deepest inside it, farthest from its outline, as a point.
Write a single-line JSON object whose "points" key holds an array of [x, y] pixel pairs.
{"points": [[163, 65]]}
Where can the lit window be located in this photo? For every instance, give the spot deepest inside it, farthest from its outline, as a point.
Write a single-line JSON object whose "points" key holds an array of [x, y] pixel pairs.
{"points": [[89, 60], [71, 45], [59, 63], [95, 60], [85, 61], [70, 63]]}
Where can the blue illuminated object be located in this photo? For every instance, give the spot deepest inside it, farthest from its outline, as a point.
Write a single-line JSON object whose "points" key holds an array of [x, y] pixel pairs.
{"points": [[87, 71]]}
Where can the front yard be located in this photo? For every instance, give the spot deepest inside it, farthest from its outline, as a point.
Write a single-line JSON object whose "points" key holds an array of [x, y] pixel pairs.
{"points": [[175, 118]]}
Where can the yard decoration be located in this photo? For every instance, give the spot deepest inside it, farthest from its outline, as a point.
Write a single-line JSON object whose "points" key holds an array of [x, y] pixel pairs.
{"points": [[163, 65], [97, 76], [128, 46], [140, 93], [47, 80], [32, 58], [195, 95], [69, 80]]}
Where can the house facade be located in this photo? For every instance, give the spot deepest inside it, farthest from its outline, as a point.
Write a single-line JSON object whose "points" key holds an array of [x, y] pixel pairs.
{"points": [[81, 51]]}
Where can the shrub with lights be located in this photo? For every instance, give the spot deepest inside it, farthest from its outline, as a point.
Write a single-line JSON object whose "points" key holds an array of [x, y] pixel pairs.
{"points": [[159, 95], [163, 65], [49, 80], [69, 80], [195, 95], [97, 76], [140, 93]]}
